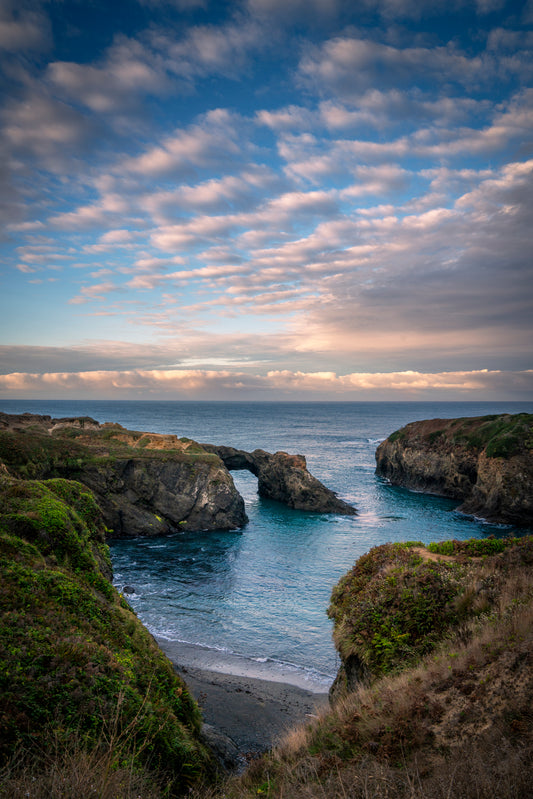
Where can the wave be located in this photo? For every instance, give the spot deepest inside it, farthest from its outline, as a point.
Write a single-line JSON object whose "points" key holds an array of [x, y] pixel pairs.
{"points": [[220, 659]]}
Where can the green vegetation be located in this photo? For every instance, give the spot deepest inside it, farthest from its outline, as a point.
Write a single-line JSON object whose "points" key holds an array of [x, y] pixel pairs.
{"points": [[442, 714], [398, 435], [35, 454], [499, 436], [442, 636], [394, 606], [74, 659]]}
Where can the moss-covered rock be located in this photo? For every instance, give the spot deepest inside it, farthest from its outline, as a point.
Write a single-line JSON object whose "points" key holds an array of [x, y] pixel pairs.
{"points": [[400, 600], [74, 658]]}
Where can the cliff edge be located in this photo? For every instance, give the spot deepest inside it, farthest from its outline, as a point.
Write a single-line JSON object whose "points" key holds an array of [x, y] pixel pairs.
{"points": [[486, 462]]}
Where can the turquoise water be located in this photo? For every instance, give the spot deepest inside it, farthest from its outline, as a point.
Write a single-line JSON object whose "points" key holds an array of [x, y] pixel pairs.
{"points": [[259, 596]]}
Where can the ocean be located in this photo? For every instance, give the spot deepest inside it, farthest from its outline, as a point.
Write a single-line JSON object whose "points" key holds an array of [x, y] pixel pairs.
{"points": [[254, 601]]}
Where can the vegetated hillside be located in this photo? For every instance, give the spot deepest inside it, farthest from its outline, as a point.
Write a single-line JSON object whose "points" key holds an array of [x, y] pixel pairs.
{"points": [[443, 638], [486, 461], [77, 668]]}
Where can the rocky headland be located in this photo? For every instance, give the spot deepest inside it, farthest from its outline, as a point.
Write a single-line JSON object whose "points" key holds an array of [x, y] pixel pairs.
{"points": [[485, 462], [149, 484]]}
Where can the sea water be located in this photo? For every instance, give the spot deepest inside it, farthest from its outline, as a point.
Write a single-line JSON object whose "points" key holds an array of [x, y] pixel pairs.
{"points": [[254, 601]]}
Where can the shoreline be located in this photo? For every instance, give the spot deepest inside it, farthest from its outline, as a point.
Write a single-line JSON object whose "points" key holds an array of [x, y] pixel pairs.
{"points": [[252, 712]]}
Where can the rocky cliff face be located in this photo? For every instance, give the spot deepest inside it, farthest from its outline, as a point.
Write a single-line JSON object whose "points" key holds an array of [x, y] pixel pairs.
{"points": [[149, 484], [146, 484], [487, 462], [151, 497]]}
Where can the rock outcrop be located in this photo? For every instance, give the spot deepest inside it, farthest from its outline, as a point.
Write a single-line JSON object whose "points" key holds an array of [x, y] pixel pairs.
{"points": [[284, 478], [145, 483], [486, 462], [400, 601], [149, 484]]}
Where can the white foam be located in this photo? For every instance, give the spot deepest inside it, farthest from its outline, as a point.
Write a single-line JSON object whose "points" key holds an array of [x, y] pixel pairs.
{"points": [[223, 661]]}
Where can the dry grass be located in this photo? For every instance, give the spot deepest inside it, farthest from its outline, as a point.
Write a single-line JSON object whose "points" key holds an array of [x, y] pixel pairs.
{"points": [[457, 726], [73, 772]]}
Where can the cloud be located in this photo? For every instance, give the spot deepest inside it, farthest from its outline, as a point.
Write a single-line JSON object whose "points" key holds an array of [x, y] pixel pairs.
{"points": [[106, 213], [96, 292], [23, 28], [228, 193], [208, 144], [346, 67], [225, 383], [129, 71], [210, 49], [44, 128]]}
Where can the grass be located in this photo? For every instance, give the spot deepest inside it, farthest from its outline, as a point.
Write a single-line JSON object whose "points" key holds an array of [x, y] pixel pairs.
{"points": [[455, 725], [34, 454], [89, 705], [502, 436]]}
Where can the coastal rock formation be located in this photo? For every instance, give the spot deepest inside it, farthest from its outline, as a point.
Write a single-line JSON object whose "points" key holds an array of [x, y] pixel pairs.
{"points": [[284, 478], [151, 497], [486, 462], [147, 483]]}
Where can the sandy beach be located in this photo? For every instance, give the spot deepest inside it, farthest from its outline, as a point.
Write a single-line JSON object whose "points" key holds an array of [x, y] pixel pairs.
{"points": [[254, 713]]}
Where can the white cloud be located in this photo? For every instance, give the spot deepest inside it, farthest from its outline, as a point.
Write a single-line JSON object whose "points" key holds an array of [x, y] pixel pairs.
{"points": [[212, 49], [197, 383], [347, 67], [96, 292], [208, 144], [129, 71], [44, 128]]}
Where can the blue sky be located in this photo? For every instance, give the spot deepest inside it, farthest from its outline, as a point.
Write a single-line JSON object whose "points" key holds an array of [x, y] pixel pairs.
{"points": [[266, 199]]}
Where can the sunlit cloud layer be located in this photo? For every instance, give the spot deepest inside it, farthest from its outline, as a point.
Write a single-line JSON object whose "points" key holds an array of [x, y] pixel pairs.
{"points": [[230, 384], [267, 199]]}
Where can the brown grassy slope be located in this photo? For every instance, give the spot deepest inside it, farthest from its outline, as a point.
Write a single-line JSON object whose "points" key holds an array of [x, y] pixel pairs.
{"points": [[457, 724]]}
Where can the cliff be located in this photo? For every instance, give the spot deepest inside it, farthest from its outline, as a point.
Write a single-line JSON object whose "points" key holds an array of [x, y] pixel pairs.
{"points": [[78, 671], [149, 484], [486, 462]]}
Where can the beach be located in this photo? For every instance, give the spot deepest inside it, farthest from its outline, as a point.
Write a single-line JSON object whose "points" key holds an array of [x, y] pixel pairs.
{"points": [[254, 713]]}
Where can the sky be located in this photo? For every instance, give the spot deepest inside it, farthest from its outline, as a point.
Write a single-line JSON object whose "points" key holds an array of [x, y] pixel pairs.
{"points": [[266, 199]]}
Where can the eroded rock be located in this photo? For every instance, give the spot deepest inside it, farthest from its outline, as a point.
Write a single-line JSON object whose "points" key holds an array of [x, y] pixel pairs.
{"points": [[284, 478]]}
